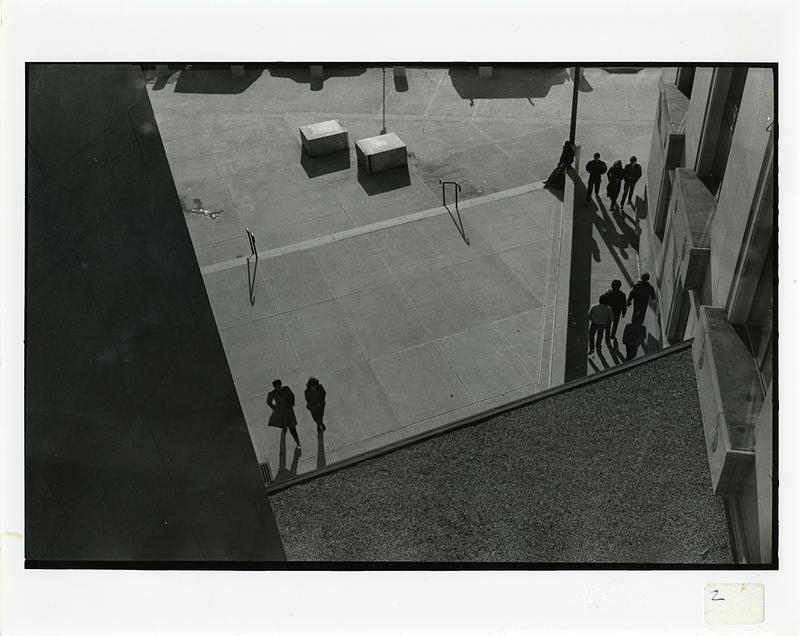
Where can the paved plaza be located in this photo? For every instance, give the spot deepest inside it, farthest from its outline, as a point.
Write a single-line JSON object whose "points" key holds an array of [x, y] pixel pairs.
{"points": [[365, 281]]}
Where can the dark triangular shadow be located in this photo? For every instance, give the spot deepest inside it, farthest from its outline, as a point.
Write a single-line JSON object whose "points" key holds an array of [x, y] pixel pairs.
{"points": [[251, 281]]}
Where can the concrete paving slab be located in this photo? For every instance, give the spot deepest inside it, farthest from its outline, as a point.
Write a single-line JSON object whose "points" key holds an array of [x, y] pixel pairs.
{"points": [[230, 293], [402, 245], [420, 383], [484, 362], [295, 280], [443, 232], [443, 303], [357, 408], [498, 291], [225, 250], [503, 225], [282, 235], [533, 265], [525, 333], [322, 338], [384, 321], [258, 352], [352, 265]]}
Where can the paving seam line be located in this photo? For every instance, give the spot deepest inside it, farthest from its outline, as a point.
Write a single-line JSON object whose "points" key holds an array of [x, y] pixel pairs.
{"points": [[369, 229]]}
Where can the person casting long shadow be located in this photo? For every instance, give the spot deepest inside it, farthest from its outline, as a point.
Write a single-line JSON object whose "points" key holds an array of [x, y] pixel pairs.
{"points": [[315, 402], [281, 401]]}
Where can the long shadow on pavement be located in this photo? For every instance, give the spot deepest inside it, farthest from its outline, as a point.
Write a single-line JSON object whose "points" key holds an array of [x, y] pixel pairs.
{"points": [[506, 82], [215, 80], [381, 182]]}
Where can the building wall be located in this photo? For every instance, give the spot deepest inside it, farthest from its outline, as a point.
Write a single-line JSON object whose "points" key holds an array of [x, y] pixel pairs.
{"points": [[739, 190], [136, 446], [734, 262]]}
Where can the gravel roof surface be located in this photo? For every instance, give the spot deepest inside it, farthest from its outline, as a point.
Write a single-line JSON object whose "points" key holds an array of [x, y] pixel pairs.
{"points": [[614, 471]]}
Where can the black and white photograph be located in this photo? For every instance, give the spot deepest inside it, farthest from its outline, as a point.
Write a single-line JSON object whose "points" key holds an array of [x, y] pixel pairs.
{"points": [[304, 319]]}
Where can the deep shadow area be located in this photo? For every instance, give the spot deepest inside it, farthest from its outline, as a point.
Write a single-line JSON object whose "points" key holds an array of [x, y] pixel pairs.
{"points": [[384, 181], [320, 449], [324, 164], [580, 282], [506, 82], [198, 79], [400, 80], [302, 74], [284, 472]]}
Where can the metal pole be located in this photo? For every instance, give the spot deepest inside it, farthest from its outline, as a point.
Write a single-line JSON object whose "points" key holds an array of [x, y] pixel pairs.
{"points": [[383, 131], [576, 79]]}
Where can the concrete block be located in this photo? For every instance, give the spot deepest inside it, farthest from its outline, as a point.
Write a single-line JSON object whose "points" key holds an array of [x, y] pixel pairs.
{"points": [[323, 138], [237, 70], [484, 72], [316, 71], [381, 152]]}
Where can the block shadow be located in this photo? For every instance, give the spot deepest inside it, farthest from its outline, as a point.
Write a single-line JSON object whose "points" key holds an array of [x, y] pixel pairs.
{"points": [[506, 82], [324, 164], [215, 80], [302, 74], [384, 181]]}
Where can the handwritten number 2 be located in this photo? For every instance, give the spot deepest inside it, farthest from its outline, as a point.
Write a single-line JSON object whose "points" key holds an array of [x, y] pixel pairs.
{"points": [[714, 596]]}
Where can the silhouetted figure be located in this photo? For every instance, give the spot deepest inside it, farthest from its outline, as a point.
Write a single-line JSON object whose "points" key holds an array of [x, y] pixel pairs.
{"points": [[600, 317], [633, 336], [631, 174], [640, 295], [596, 169], [615, 298], [281, 401], [556, 180], [315, 402], [615, 176]]}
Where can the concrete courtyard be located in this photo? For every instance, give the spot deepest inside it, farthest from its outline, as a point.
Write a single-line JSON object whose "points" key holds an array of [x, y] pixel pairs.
{"points": [[364, 281]]}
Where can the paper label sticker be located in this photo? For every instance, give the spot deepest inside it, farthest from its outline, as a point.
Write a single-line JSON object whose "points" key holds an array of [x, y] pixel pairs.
{"points": [[733, 603]]}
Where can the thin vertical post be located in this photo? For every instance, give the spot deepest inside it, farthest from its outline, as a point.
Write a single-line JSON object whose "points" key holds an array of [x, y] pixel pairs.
{"points": [[576, 79], [383, 130]]}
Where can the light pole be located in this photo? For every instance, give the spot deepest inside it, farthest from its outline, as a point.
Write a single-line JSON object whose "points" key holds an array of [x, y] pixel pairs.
{"points": [[383, 130], [576, 78]]}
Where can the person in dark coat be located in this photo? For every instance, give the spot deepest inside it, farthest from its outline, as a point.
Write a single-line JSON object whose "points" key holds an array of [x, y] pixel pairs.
{"points": [[615, 176], [315, 402], [596, 169], [640, 295], [600, 317], [556, 180], [281, 401], [631, 174], [633, 336], [615, 298]]}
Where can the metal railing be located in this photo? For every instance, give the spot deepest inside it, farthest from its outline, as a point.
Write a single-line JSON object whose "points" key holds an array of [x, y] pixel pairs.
{"points": [[459, 223]]}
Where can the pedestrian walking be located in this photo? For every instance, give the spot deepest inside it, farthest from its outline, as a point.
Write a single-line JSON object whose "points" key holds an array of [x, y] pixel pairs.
{"points": [[557, 178], [631, 174], [633, 336], [615, 298], [596, 169], [281, 401], [600, 317], [614, 176], [315, 402], [640, 295]]}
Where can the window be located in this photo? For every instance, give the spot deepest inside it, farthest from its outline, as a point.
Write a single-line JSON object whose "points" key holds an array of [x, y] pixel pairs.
{"points": [[733, 100]]}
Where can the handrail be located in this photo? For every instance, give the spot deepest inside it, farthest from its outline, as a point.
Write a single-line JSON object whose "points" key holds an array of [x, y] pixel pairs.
{"points": [[460, 223]]}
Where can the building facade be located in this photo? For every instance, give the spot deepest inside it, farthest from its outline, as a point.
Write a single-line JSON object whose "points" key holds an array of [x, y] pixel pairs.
{"points": [[708, 237], [136, 447]]}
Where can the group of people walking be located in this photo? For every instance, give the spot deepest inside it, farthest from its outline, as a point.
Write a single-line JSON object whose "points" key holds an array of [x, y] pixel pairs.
{"points": [[604, 316], [617, 177], [281, 401]]}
